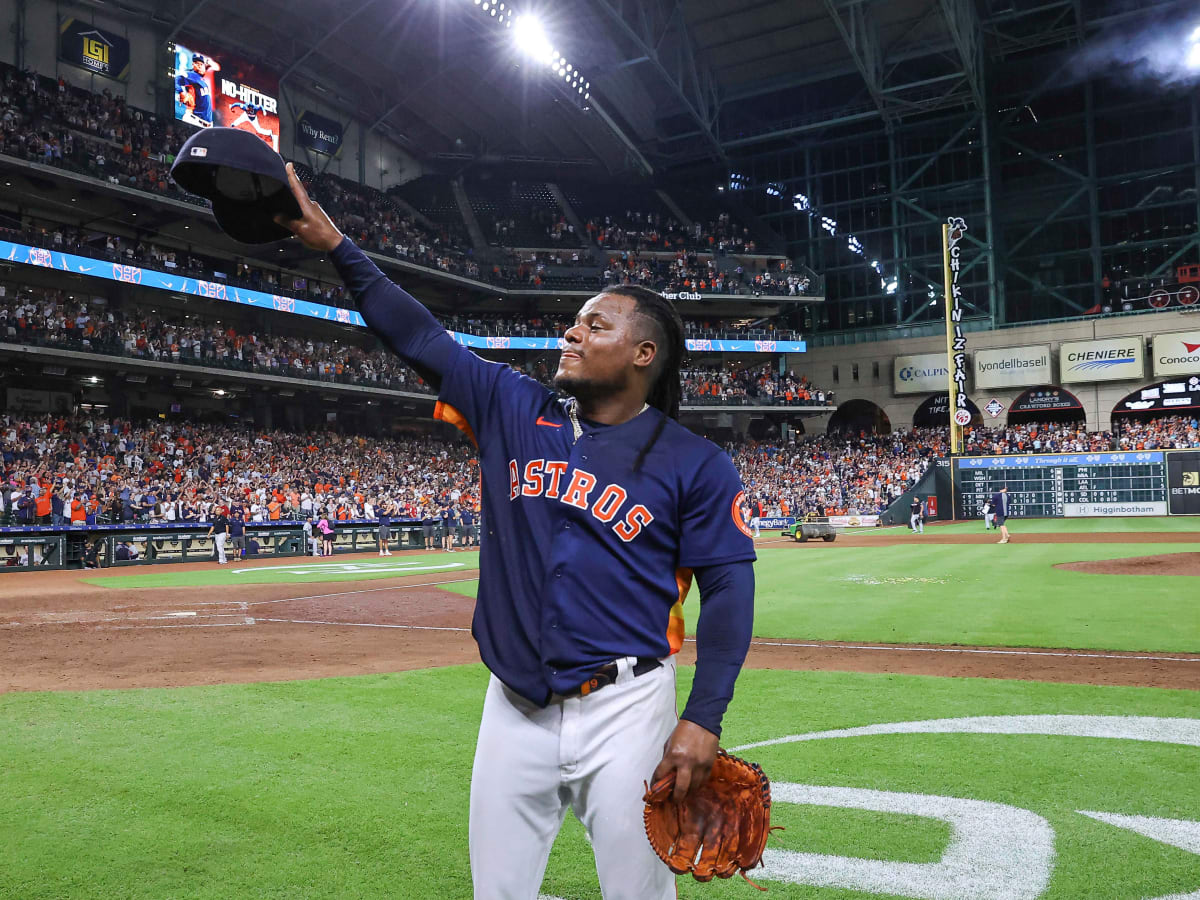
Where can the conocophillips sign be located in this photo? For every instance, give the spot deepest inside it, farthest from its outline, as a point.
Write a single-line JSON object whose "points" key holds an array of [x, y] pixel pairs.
{"points": [[923, 374], [1114, 359], [1177, 353], [1013, 367]]}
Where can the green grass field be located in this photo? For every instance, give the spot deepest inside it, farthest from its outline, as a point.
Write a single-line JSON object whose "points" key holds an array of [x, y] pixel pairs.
{"points": [[298, 570], [358, 787], [970, 594]]}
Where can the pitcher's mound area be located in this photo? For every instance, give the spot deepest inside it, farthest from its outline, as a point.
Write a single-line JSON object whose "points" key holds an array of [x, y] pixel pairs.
{"points": [[1164, 564]]}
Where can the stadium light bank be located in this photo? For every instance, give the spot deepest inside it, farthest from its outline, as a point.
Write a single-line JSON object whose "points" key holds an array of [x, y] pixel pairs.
{"points": [[530, 39]]}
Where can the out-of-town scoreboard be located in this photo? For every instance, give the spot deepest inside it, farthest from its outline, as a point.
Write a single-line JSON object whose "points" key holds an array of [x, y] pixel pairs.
{"points": [[1066, 484]]}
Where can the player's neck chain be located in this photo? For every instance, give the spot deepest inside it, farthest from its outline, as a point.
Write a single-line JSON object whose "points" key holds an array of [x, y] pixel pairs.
{"points": [[577, 429]]}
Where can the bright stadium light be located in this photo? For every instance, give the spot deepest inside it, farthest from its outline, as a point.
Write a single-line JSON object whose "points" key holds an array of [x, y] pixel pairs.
{"points": [[1193, 57], [531, 39]]}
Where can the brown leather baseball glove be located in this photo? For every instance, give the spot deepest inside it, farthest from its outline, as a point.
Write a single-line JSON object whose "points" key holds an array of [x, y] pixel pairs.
{"points": [[719, 829]]}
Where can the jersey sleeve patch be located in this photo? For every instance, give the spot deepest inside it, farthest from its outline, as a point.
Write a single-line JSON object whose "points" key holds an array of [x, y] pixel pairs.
{"points": [[738, 511]]}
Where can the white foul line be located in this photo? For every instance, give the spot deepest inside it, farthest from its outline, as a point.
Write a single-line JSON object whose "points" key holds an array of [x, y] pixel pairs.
{"points": [[1066, 653], [366, 625]]}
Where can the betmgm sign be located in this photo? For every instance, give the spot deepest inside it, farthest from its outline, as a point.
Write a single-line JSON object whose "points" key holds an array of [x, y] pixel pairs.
{"points": [[1183, 482]]}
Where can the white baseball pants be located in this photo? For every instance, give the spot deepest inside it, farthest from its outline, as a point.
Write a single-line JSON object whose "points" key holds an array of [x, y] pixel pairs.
{"points": [[591, 753], [221, 539]]}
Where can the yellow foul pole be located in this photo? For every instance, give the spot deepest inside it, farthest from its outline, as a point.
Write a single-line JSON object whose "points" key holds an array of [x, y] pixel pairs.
{"points": [[951, 305]]}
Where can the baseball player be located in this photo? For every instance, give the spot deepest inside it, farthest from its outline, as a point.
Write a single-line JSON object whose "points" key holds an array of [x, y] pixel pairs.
{"points": [[384, 534], [988, 514], [916, 517], [193, 90], [219, 531], [1000, 507], [600, 509], [249, 116]]}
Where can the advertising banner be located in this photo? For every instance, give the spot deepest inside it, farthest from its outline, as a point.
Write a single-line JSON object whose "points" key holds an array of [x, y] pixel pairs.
{"points": [[1112, 359], [1013, 367], [219, 88], [1182, 395], [935, 411], [1177, 353], [926, 373], [319, 134], [98, 50], [1046, 397], [1084, 510], [554, 343], [1183, 482]]}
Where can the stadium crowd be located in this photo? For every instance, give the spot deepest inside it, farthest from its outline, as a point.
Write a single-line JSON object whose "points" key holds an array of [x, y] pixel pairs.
{"points": [[637, 230], [56, 319], [751, 385], [98, 134], [82, 470], [56, 469], [687, 272]]}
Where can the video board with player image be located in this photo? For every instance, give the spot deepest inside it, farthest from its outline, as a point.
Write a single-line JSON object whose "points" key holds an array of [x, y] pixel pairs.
{"points": [[222, 89]]}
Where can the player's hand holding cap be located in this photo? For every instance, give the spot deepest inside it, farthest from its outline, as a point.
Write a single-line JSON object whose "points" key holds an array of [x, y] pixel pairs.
{"points": [[246, 181]]}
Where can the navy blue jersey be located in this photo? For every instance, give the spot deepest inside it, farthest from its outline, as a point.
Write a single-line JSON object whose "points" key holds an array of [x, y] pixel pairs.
{"points": [[250, 109], [200, 89], [583, 560]]}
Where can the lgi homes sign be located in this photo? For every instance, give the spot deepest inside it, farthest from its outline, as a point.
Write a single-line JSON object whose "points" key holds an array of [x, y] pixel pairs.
{"points": [[1113, 359], [1013, 367], [923, 374]]}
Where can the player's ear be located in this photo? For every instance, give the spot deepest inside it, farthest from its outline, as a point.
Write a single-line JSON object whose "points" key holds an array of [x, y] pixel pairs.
{"points": [[644, 354]]}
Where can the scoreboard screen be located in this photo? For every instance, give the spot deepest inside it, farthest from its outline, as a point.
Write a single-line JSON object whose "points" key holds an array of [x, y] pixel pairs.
{"points": [[1066, 484]]}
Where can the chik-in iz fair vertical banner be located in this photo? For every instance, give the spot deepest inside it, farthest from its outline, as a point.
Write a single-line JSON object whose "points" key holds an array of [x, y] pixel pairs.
{"points": [[956, 342]]}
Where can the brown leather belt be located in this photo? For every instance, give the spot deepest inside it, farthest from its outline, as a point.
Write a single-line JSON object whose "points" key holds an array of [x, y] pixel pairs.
{"points": [[607, 675]]}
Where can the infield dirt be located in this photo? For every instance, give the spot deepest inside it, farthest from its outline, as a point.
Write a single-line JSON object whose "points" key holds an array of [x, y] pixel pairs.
{"points": [[57, 633]]}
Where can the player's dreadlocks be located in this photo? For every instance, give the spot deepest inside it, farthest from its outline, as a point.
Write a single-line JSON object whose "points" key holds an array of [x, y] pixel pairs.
{"points": [[667, 333]]}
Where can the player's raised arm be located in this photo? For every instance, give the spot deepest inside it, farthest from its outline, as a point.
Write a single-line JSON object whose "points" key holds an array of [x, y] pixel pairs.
{"points": [[391, 312]]}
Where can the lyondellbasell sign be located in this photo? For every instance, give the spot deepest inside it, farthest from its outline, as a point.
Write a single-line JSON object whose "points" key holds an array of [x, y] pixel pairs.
{"points": [[1012, 367]]}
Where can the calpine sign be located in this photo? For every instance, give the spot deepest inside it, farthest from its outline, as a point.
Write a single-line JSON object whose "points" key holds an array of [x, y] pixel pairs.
{"points": [[923, 374], [1113, 359], [1177, 353]]}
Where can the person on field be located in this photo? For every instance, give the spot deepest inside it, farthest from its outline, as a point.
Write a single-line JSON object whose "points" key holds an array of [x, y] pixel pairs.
{"points": [[989, 514], [1000, 507], [916, 517], [219, 532]]}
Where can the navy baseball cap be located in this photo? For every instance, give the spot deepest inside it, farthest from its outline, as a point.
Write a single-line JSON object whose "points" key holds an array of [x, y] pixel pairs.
{"points": [[245, 180]]}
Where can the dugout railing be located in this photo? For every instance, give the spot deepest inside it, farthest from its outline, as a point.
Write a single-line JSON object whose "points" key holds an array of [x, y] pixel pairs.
{"points": [[44, 547]]}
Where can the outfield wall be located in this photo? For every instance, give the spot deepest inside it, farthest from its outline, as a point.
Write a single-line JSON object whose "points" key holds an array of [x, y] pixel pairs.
{"points": [[1082, 485], [875, 363]]}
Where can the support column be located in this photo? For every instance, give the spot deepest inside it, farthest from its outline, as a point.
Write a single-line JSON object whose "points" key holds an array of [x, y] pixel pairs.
{"points": [[1093, 194], [995, 235], [897, 241], [19, 36], [362, 152]]}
